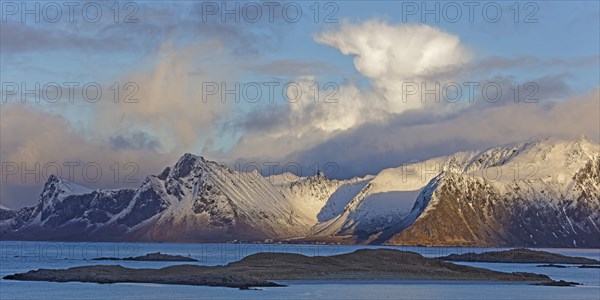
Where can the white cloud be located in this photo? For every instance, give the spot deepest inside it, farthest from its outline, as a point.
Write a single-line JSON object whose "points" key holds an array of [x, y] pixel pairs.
{"points": [[392, 54], [386, 54]]}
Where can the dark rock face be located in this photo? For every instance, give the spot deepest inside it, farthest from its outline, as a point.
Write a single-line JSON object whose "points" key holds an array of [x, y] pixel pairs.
{"points": [[6, 214], [62, 214], [70, 208], [20, 218], [95, 208], [148, 203], [113, 203], [186, 165]]}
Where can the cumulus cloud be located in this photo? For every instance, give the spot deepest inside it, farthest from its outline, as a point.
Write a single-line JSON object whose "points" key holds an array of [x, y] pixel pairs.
{"points": [[392, 54], [401, 51], [386, 54]]}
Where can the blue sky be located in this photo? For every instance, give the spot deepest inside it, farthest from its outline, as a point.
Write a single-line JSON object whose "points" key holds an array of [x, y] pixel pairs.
{"points": [[170, 52]]}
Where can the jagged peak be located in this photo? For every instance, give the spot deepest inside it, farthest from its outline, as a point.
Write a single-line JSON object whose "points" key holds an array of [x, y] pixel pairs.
{"points": [[56, 189], [53, 179], [187, 163], [319, 176], [57, 182], [190, 158], [164, 174], [582, 140], [189, 155], [502, 154]]}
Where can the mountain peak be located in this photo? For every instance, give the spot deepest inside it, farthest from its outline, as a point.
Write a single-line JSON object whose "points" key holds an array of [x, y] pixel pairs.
{"points": [[55, 182], [582, 140], [53, 179], [187, 163], [188, 155]]}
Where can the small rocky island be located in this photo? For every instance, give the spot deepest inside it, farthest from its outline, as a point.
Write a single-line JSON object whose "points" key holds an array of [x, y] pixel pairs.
{"points": [[557, 283], [157, 256], [551, 266], [519, 256], [562, 266], [260, 269]]}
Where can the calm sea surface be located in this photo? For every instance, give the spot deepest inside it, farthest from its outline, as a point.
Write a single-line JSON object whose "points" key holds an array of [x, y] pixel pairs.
{"points": [[17, 257]]}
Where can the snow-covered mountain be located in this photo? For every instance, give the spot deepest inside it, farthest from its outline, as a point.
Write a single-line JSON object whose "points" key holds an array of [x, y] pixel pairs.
{"points": [[541, 193], [544, 192]]}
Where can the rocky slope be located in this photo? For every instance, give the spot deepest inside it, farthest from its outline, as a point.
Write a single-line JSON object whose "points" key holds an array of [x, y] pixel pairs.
{"points": [[544, 192]]}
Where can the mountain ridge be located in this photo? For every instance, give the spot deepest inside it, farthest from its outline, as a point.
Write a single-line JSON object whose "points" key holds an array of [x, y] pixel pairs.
{"points": [[542, 192]]}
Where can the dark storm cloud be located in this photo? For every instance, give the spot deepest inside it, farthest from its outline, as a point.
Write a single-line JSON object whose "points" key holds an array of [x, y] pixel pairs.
{"points": [[135, 141]]}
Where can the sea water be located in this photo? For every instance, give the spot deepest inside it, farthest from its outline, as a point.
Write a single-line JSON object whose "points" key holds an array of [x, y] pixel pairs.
{"points": [[18, 257]]}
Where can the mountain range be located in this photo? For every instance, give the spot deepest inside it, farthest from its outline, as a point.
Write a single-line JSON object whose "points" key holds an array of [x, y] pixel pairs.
{"points": [[541, 193]]}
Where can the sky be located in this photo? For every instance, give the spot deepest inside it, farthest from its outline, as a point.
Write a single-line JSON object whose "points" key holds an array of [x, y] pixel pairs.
{"points": [[105, 94]]}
